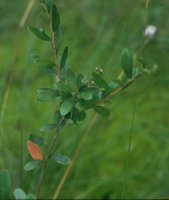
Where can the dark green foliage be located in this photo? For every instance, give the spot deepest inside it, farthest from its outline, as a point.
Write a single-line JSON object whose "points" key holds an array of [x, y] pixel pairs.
{"points": [[104, 112], [36, 139], [40, 33], [5, 184], [58, 38], [43, 65], [55, 18], [64, 58], [127, 62], [80, 117], [45, 94], [100, 82]]}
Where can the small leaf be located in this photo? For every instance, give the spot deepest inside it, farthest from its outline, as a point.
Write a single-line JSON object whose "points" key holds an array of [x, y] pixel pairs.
{"points": [[99, 81], [66, 107], [32, 165], [5, 184], [19, 194], [64, 58], [36, 139], [44, 66], [127, 62], [63, 86], [113, 85], [34, 150], [104, 112], [55, 18], [63, 160], [71, 79], [48, 127], [40, 33], [80, 117], [87, 95], [58, 38], [45, 94]]}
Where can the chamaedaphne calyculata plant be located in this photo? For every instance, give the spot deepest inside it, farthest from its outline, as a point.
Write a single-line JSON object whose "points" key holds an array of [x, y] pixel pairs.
{"points": [[74, 93]]}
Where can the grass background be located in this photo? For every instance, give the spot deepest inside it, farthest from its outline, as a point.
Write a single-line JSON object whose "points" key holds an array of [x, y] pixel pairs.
{"points": [[96, 32]]}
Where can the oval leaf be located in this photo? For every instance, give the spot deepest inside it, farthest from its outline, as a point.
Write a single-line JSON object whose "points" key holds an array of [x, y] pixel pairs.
{"points": [[32, 165], [64, 58], [5, 184], [48, 127], [63, 160], [44, 66], [55, 18], [99, 81], [34, 150], [127, 62], [40, 33], [45, 94], [87, 95], [66, 107], [104, 112], [19, 194]]}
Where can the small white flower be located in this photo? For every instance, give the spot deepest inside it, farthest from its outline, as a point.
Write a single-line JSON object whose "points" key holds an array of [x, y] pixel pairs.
{"points": [[150, 31]]}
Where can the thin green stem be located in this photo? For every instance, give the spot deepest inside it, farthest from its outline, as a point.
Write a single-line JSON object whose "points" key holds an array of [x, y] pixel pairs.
{"points": [[124, 191], [21, 156]]}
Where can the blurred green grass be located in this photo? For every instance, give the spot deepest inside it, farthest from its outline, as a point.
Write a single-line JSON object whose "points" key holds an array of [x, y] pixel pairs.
{"points": [[96, 32]]}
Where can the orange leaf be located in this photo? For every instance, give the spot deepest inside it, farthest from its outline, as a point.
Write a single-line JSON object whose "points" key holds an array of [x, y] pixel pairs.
{"points": [[34, 150]]}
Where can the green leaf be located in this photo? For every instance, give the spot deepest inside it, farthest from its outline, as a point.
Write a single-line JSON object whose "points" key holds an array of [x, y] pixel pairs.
{"points": [[113, 85], [66, 107], [104, 112], [63, 86], [48, 127], [64, 58], [45, 94], [58, 38], [19, 194], [32, 165], [87, 95], [80, 117], [36, 139], [63, 160], [71, 79], [44, 66], [5, 184], [99, 81], [127, 62], [55, 18], [83, 104], [40, 33]]}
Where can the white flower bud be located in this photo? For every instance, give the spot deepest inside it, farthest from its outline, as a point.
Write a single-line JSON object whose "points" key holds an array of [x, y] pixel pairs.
{"points": [[150, 31]]}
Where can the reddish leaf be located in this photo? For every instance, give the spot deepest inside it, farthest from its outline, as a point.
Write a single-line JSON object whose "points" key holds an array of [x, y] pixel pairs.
{"points": [[34, 150]]}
